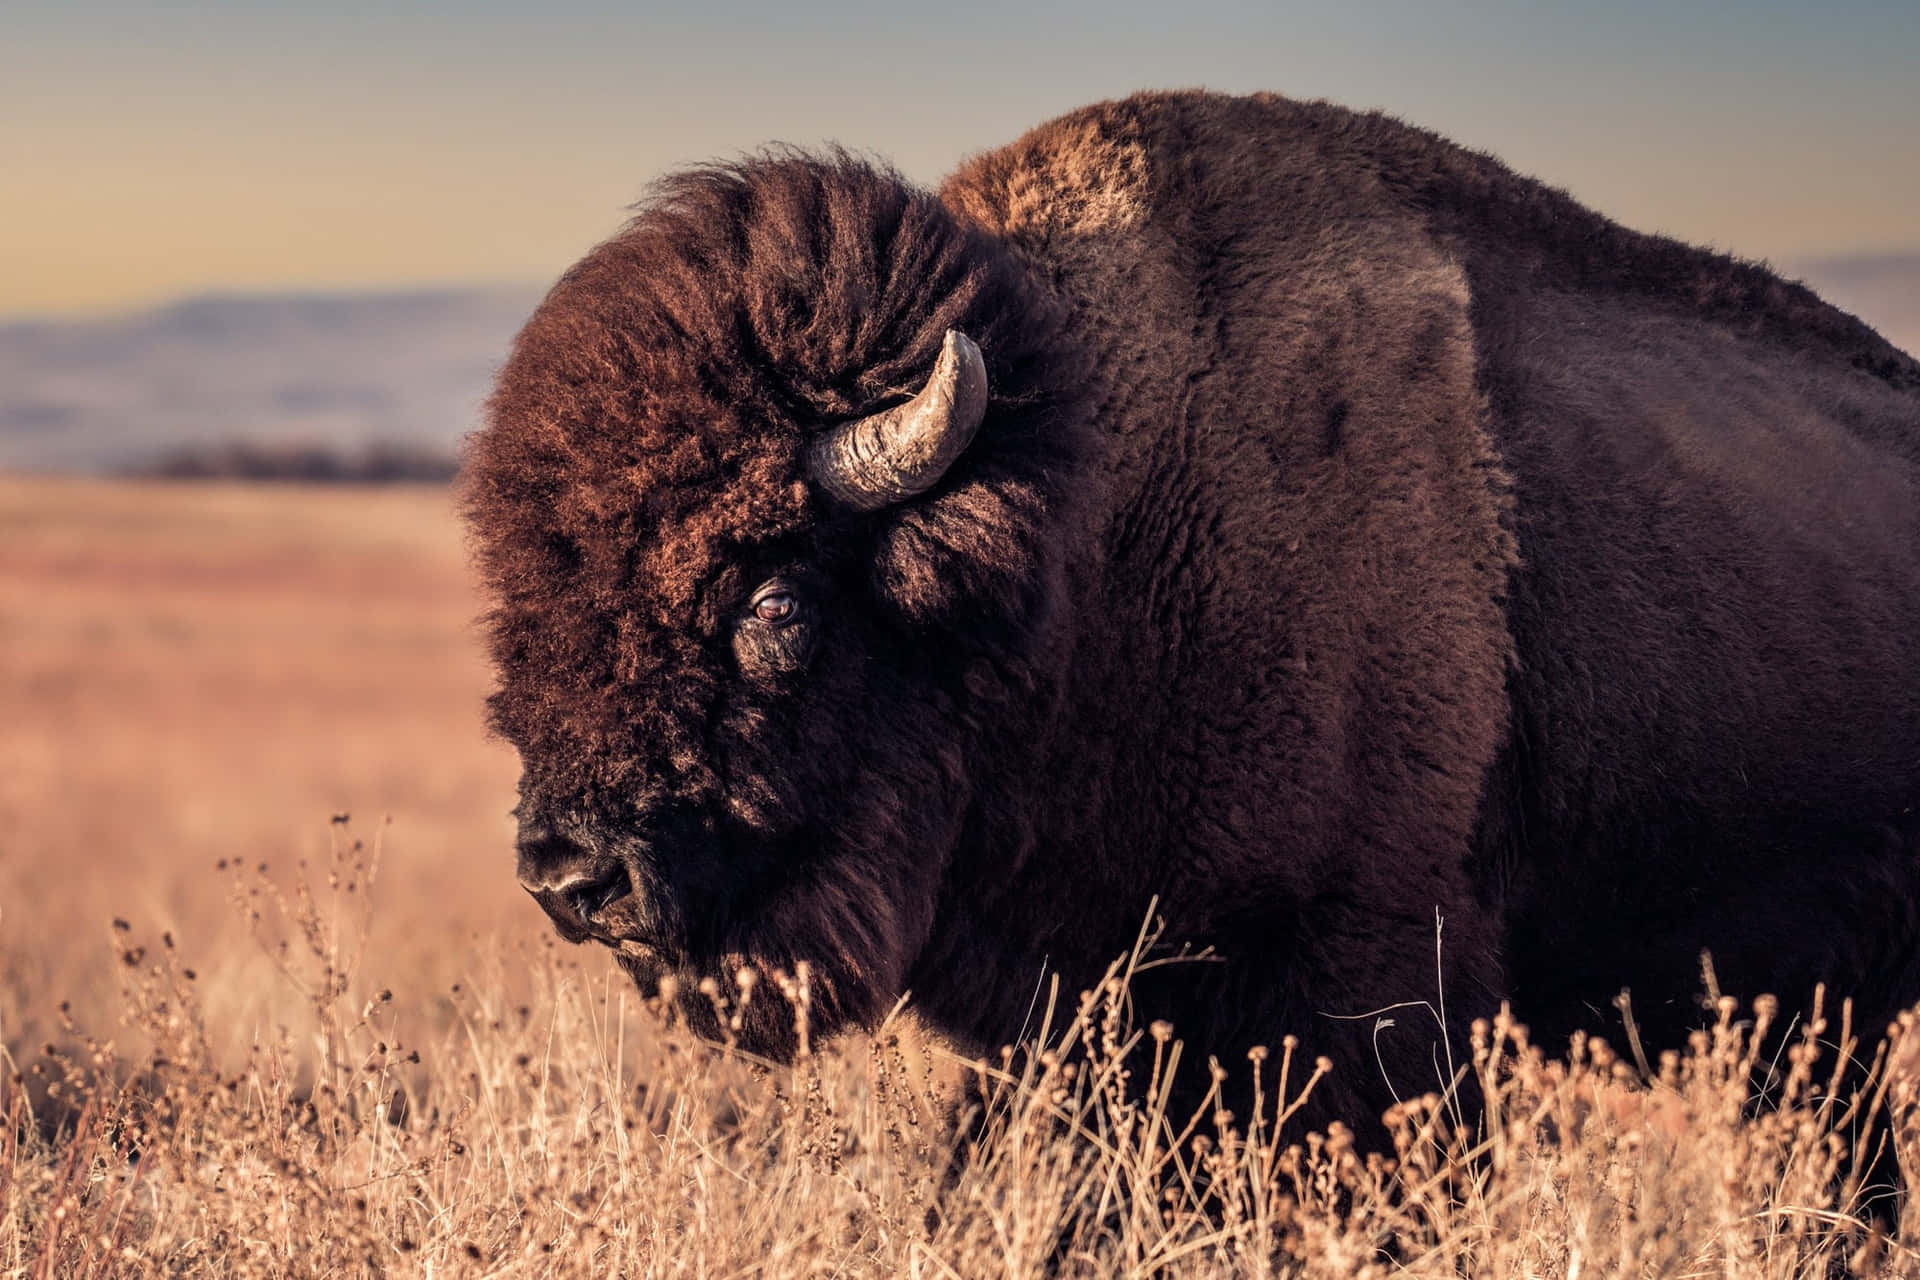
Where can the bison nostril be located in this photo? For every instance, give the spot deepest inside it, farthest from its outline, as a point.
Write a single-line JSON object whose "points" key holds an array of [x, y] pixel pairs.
{"points": [[569, 880], [591, 895]]}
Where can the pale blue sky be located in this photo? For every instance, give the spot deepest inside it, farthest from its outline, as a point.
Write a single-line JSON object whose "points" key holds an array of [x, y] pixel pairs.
{"points": [[151, 150]]}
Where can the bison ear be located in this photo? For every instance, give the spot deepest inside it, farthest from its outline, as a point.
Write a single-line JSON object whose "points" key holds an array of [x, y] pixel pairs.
{"points": [[900, 453]]}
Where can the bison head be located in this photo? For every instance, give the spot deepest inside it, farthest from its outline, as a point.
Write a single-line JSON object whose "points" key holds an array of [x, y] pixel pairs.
{"points": [[773, 504]]}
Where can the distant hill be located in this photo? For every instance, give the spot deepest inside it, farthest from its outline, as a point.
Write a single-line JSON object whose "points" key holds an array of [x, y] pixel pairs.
{"points": [[380, 463], [343, 372], [300, 384]]}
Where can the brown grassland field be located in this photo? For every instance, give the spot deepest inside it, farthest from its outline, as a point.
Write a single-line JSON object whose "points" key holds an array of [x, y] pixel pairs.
{"points": [[271, 1004]]}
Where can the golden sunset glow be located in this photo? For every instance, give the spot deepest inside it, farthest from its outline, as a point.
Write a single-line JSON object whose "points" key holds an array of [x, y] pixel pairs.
{"points": [[148, 153]]}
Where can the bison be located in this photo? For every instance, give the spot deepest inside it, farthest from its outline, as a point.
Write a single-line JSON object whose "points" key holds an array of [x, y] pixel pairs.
{"points": [[1265, 515]]}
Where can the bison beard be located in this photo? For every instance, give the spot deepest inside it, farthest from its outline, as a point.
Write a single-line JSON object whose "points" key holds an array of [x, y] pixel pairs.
{"points": [[1268, 512]]}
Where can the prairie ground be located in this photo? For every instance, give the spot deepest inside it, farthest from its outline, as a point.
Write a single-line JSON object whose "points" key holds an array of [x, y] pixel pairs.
{"points": [[271, 1004], [191, 673]]}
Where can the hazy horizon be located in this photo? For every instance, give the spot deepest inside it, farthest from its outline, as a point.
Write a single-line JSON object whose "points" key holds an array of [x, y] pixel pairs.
{"points": [[217, 147], [1819, 272], [346, 370]]}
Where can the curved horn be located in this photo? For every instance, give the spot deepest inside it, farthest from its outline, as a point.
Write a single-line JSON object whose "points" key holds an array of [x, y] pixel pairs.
{"points": [[899, 453]]}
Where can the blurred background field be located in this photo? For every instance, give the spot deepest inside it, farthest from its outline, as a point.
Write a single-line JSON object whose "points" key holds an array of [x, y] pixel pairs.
{"points": [[193, 672]]}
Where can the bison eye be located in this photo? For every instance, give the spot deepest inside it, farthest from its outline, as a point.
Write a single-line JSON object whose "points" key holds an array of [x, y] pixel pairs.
{"points": [[776, 633], [777, 608]]}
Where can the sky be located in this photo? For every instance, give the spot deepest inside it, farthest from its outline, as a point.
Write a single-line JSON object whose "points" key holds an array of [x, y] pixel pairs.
{"points": [[151, 151]]}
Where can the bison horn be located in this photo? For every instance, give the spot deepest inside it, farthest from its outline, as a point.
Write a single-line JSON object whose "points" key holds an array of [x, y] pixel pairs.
{"points": [[899, 453]]}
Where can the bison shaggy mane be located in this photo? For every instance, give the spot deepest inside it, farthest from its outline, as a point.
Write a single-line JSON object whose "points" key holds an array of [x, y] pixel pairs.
{"points": [[623, 479], [625, 489]]}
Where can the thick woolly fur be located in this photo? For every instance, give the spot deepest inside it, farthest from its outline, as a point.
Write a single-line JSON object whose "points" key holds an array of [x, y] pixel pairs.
{"points": [[1360, 535]]}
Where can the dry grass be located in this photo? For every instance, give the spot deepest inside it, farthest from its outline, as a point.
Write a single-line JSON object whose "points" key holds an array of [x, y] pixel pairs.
{"points": [[374, 1062]]}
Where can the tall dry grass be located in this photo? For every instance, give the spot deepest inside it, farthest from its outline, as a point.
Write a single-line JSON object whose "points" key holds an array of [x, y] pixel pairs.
{"points": [[542, 1120], [367, 1057]]}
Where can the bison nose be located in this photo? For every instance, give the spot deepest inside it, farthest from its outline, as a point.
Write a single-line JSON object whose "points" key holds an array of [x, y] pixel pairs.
{"points": [[568, 881]]}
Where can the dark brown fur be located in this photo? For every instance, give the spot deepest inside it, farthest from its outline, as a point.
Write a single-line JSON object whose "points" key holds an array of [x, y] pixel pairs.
{"points": [[1358, 533]]}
